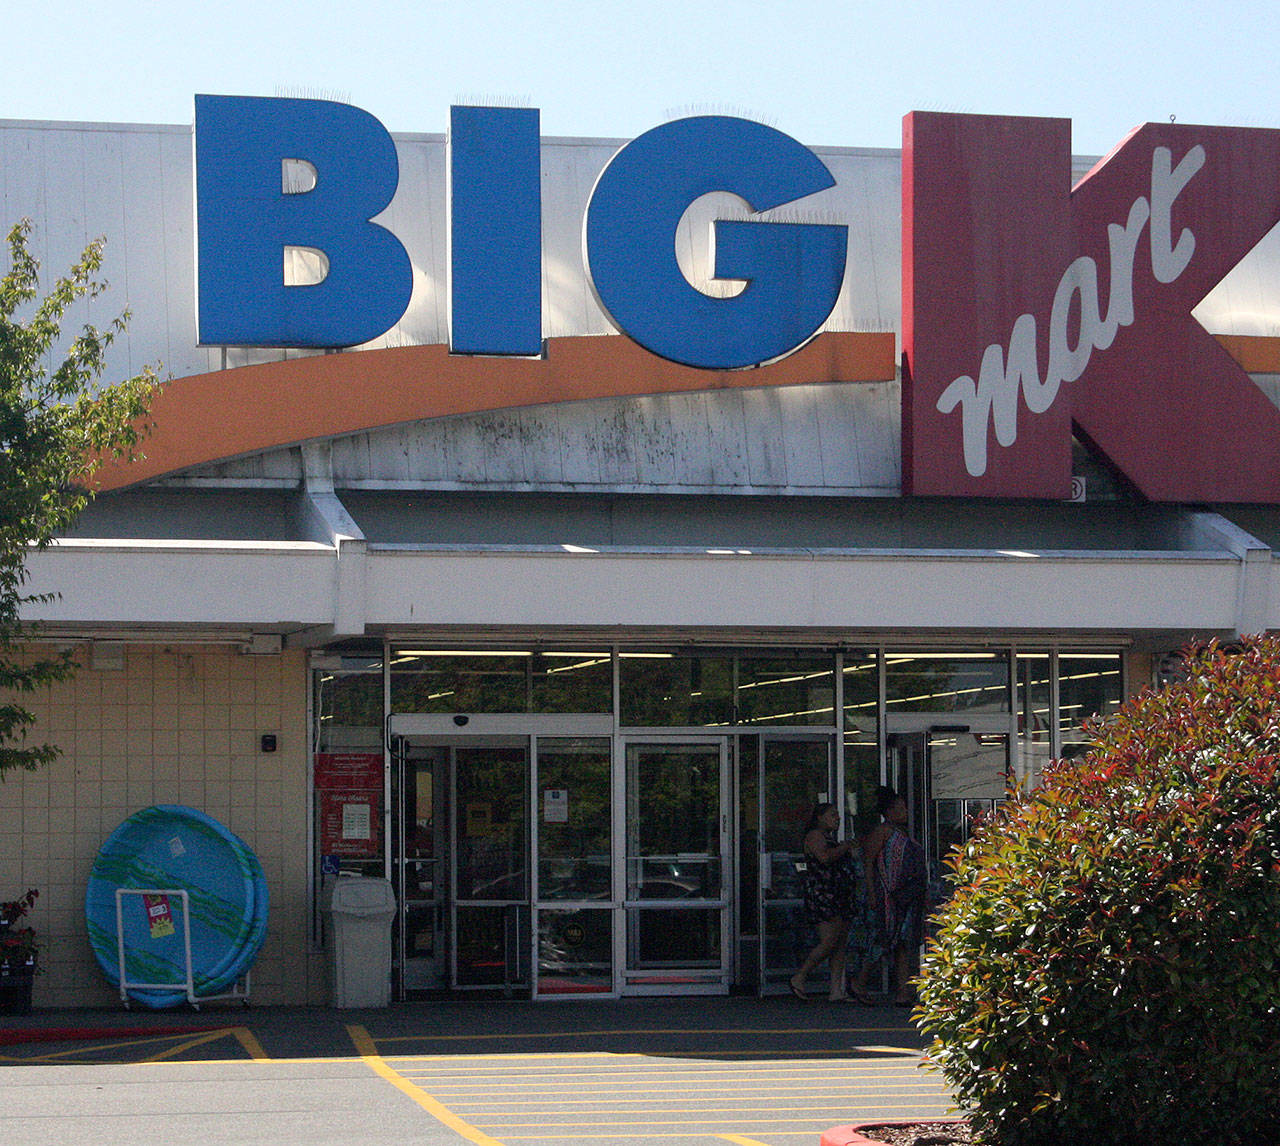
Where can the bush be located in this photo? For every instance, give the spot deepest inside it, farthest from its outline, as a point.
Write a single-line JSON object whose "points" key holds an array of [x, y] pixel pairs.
{"points": [[1109, 964]]}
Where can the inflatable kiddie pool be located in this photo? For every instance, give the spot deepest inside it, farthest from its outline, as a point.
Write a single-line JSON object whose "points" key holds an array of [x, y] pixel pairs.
{"points": [[170, 847]]}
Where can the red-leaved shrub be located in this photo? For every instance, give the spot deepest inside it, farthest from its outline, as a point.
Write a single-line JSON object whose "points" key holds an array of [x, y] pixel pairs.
{"points": [[1108, 968]]}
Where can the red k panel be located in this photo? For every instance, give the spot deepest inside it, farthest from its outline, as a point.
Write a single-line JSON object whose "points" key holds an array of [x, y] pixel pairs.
{"points": [[1030, 307]]}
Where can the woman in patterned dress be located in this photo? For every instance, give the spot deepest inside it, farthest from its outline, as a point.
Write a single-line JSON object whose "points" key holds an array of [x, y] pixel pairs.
{"points": [[830, 889], [896, 890]]}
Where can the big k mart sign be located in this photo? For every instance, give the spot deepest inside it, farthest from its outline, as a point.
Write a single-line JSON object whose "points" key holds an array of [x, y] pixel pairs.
{"points": [[1032, 310]]}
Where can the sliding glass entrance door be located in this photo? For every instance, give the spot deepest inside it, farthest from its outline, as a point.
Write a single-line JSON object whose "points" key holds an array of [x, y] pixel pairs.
{"points": [[950, 773], [462, 866], [576, 909], [503, 854], [796, 772]]}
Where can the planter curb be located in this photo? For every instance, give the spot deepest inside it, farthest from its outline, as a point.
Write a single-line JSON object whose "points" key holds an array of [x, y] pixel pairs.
{"points": [[854, 1136]]}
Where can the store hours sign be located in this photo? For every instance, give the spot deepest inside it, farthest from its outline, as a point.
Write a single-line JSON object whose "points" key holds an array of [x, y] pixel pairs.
{"points": [[1032, 310]]}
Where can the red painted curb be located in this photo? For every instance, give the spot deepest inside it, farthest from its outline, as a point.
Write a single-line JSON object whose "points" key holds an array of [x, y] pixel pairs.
{"points": [[853, 1136], [86, 1034]]}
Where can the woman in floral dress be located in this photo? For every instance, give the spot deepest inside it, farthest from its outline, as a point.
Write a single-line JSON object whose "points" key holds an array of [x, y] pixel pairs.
{"points": [[830, 893]]}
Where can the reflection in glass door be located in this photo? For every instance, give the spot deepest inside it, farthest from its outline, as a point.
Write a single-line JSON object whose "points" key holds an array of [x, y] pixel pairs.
{"points": [[422, 844], [574, 814], [491, 879], [676, 829], [950, 776], [795, 774]]}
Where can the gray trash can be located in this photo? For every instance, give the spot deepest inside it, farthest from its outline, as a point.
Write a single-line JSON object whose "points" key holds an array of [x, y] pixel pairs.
{"points": [[360, 914]]}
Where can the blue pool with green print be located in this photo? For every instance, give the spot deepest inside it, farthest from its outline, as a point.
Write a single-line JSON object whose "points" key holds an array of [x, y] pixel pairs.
{"points": [[173, 848]]}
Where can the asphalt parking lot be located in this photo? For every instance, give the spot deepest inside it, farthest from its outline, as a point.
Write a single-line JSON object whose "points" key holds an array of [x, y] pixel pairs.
{"points": [[769, 1072]]}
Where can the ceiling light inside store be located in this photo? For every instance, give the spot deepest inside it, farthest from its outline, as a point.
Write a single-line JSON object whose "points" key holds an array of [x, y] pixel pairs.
{"points": [[402, 654]]}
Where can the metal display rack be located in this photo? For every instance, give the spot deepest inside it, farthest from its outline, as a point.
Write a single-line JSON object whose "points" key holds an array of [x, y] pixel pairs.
{"points": [[240, 989]]}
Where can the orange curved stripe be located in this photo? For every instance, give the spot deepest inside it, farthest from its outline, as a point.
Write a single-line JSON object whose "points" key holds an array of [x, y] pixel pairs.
{"points": [[229, 413], [1257, 354]]}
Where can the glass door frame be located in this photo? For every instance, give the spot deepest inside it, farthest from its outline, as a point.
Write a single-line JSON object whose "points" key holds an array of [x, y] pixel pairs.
{"points": [[713, 983]]}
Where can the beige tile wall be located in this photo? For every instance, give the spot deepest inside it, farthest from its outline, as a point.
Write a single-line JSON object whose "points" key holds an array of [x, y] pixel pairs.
{"points": [[179, 724]]}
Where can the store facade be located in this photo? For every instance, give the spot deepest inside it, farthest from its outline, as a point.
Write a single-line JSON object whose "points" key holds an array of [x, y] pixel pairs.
{"points": [[564, 630], [625, 819]]}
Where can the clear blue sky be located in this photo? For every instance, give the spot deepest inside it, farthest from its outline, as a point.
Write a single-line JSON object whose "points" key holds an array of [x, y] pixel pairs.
{"points": [[829, 74]]}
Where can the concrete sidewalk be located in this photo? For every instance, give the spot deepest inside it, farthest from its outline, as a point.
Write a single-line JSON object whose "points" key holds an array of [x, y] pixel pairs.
{"points": [[775, 1072]]}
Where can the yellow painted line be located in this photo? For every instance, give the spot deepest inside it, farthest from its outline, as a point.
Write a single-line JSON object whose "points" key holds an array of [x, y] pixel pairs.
{"points": [[247, 1039], [746, 1056], [740, 1140], [323, 1060], [474, 1106], [489, 1084], [836, 1104], [188, 1044], [468, 1067], [368, 1052], [461, 1066], [639, 1031], [493, 1106], [497, 1056], [646, 1130], [777, 1122]]}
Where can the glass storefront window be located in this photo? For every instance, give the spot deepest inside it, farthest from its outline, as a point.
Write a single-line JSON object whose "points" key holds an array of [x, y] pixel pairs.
{"points": [[490, 941], [786, 689], [691, 688], [571, 682], [946, 682], [861, 778], [662, 939], [1089, 684], [347, 704], [492, 817], [770, 739], [675, 689], [1035, 716], [747, 758], [673, 821], [428, 680], [861, 687], [861, 673]]}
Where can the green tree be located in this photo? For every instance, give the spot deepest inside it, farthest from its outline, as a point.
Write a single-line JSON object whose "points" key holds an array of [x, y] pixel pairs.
{"points": [[57, 423]]}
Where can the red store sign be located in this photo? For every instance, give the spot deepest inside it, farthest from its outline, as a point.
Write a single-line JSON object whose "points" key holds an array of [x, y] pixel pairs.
{"points": [[349, 788], [1030, 311]]}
